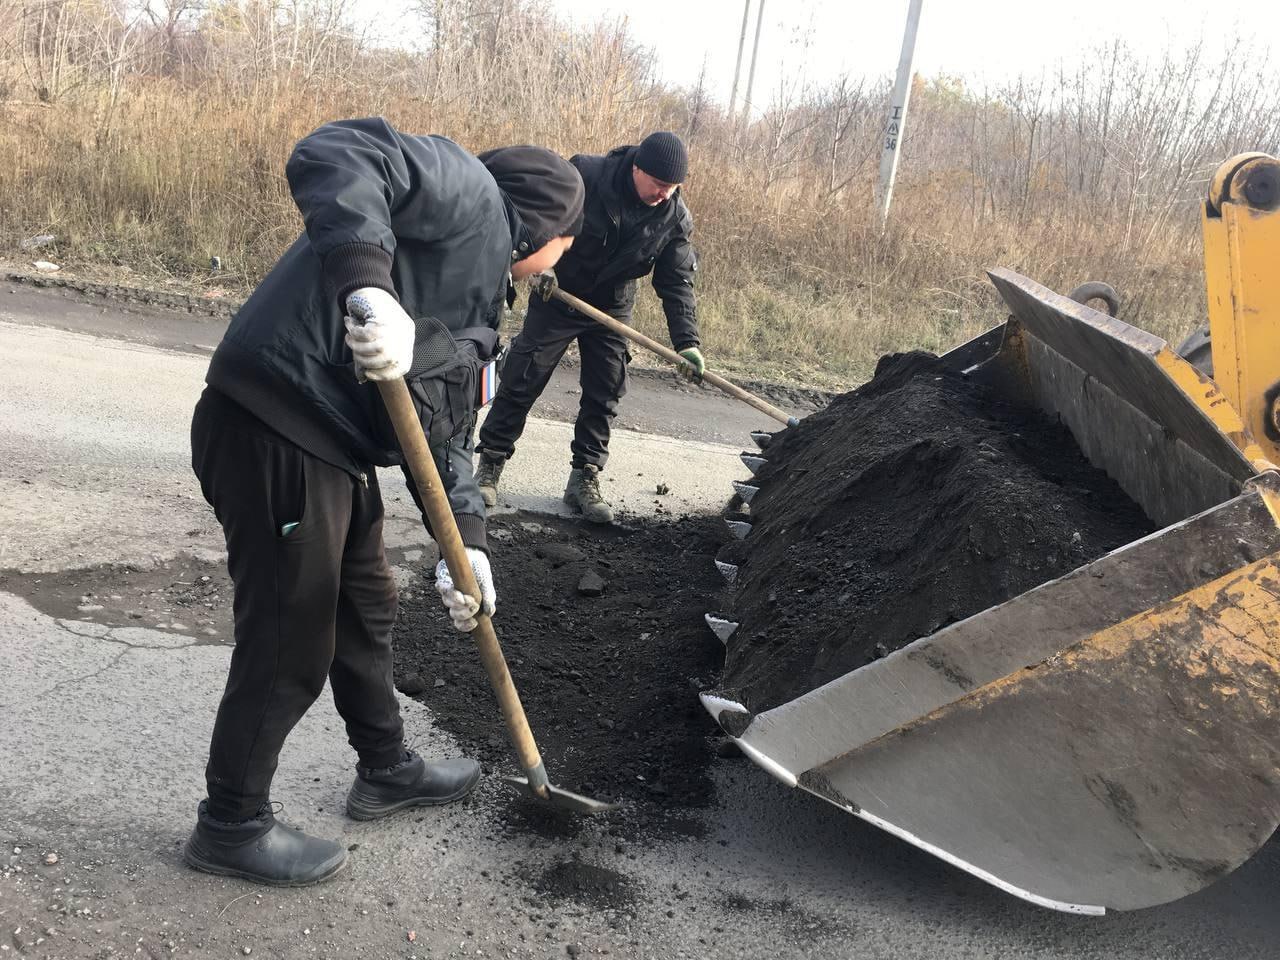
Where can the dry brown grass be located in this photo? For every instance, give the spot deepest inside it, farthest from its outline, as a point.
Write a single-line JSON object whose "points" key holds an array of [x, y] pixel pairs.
{"points": [[156, 143]]}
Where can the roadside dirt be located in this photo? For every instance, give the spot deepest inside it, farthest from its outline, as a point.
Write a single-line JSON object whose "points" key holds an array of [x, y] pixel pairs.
{"points": [[220, 302], [911, 503]]}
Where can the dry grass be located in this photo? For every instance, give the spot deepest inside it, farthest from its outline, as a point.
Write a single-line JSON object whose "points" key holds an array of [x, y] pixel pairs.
{"points": [[155, 143]]}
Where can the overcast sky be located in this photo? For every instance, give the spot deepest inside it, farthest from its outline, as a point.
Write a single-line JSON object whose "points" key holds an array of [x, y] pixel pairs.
{"points": [[977, 39]]}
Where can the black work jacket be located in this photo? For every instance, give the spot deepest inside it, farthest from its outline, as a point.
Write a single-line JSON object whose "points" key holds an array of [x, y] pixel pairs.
{"points": [[623, 240], [416, 215]]}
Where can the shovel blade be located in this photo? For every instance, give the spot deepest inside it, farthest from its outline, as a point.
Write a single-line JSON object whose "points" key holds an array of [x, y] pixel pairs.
{"points": [[560, 799]]}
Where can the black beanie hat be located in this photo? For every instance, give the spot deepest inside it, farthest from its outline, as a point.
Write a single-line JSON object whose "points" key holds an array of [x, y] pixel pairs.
{"points": [[545, 189], [662, 156]]}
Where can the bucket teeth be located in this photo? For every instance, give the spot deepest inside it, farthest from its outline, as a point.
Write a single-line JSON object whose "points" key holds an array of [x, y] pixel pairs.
{"points": [[761, 438], [739, 528], [722, 628], [753, 462], [745, 490], [727, 570]]}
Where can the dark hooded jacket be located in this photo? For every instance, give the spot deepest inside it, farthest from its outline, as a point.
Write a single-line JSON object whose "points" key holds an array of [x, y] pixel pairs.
{"points": [[623, 240], [415, 215]]}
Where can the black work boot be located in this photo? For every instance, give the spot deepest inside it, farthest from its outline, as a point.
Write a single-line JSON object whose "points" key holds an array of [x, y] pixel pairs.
{"points": [[262, 850], [488, 473], [410, 783], [583, 494]]}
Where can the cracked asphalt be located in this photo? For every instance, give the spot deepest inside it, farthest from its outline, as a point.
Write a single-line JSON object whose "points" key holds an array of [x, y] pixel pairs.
{"points": [[111, 680]]}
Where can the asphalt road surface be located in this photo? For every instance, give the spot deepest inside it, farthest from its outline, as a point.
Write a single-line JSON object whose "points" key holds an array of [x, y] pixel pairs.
{"points": [[103, 731]]}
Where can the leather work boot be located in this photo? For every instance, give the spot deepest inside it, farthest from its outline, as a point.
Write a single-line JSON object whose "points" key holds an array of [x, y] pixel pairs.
{"points": [[583, 494], [410, 783], [262, 849], [487, 476]]}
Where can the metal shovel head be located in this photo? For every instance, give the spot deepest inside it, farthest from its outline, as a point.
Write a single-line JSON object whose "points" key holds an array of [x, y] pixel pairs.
{"points": [[560, 799]]}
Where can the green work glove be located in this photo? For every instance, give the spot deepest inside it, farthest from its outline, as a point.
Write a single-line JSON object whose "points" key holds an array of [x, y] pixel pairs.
{"points": [[694, 357]]}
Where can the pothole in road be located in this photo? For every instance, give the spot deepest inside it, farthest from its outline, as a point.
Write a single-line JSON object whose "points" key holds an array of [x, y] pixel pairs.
{"points": [[186, 595]]}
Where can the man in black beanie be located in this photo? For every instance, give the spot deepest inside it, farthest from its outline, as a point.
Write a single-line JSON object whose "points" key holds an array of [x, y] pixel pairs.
{"points": [[403, 271], [635, 223]]}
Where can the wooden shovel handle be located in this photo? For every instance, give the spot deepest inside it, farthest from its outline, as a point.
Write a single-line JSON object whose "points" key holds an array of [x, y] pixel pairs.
{"points": [[413, 444], [635, 336]]}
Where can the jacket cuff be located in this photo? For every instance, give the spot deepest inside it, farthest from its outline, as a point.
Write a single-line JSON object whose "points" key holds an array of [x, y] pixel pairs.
{"points": [[471, 528], [355, 265]]}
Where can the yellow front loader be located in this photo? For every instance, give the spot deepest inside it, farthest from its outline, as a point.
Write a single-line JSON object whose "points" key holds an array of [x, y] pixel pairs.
{"points": [[1109, 740]]}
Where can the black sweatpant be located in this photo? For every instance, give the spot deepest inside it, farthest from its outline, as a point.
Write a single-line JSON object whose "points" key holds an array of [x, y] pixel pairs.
{"points": [[532, 359], [315, 601]]}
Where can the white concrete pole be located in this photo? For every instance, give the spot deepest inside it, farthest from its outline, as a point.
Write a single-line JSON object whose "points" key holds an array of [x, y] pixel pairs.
{"points": [[737, 66], [897, 121], [747, 103]]}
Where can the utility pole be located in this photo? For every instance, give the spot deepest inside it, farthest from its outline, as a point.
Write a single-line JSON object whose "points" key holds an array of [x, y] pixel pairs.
{"points": [[751, 73], [897, 121], [737, 66]]}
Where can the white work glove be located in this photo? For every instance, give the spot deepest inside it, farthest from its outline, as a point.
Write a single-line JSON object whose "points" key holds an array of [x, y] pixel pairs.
{"points": [[462, 608], [382, 344]]}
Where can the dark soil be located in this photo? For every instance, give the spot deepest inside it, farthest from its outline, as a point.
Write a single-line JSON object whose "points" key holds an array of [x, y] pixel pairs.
{"points": [[584, 883], [913, 502], [610, 682], [785, 916]]}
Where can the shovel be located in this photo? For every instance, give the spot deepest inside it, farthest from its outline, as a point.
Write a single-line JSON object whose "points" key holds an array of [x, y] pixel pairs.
{"points": [[544, 284], [404, 418]]}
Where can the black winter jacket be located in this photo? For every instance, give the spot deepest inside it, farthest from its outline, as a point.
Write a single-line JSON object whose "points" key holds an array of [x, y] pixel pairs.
{"points": [[418, 216], [623, 240]]}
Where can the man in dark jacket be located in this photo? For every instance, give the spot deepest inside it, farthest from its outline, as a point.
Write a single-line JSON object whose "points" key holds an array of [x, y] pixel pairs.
{"points": [[403, 270], [635, 223]]}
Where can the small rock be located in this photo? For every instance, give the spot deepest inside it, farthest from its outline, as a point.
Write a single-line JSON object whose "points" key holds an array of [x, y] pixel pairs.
{"points": [[50, 858], [662, 489], [412, 686], [727, 749], [573, 950], [246, 950], [439, 683], [38, 242], [591, 584], [413, 935], [558, 554], [45, 266]]}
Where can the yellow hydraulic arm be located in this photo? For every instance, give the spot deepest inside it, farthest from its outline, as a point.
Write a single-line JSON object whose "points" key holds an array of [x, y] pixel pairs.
{"points": [[1241, 223]]}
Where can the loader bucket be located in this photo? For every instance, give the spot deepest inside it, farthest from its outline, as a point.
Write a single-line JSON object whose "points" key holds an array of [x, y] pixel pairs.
{"points": [[1111, 739]]}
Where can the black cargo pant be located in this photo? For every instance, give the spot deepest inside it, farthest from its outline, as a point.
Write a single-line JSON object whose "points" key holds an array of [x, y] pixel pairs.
{"points": [[311, 601], [530, 362]]}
